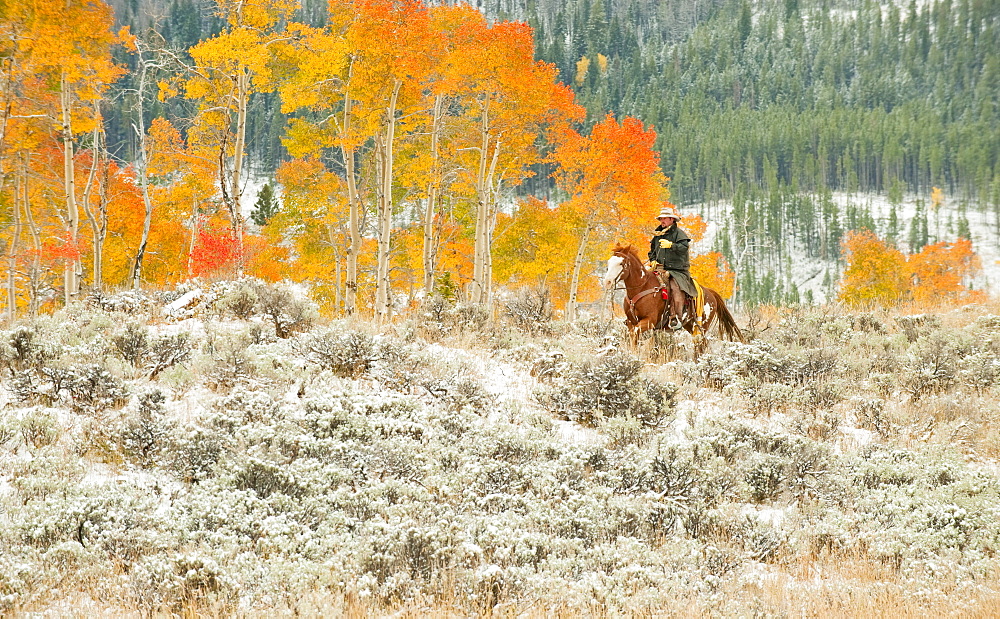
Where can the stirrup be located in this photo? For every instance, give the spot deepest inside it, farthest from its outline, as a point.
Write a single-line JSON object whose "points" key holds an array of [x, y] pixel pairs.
{"points": [[675, 323]]}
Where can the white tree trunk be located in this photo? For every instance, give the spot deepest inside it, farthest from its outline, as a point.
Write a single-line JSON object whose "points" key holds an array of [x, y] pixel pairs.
{"points": [[20, 185], [70, 282], [479, 288], [142, 171], [351, 285], [97, 230], [35, 271], [574, 285], [236, 191], [430, 209], [383, 296]]}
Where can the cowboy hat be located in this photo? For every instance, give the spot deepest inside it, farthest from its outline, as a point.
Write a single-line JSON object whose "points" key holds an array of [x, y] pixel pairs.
{"points": [[669, 211]]}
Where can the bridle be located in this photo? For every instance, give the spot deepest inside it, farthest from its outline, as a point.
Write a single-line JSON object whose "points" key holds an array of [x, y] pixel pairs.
{"points": [[620, 278]]}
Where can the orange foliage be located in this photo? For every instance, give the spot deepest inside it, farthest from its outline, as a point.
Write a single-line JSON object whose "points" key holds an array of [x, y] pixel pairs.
{"points": [[694, 225], [713, 270], [938, 271], [613, 174], [265, 259]]}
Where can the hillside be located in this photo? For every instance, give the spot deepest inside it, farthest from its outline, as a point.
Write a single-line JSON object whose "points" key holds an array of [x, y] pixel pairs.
{"points": [[171, 453]]}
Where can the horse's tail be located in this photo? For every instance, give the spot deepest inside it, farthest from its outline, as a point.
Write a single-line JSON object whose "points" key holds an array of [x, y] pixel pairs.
{"points": [[727, 324]]}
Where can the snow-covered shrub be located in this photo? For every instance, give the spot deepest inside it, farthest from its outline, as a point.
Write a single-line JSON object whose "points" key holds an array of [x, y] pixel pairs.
{"points": [[51, 471], [399, 366], [39, 427], [868, 323], [173, 582], [765, 398], [132, 343], [240, 300], [931, 365], [918, 326], [125, 301], [471, 316], [608, 387], [140, 434], [760, 540], [192, 451], [438, 317], [25, 346], [871, 415], [285, 309], [93, 388], [167, 351], [765, 476], [549, 366], [458, 391], [18, 580], [232, 364], [529, 310], [345, 353], [265, 478], [979, 370]]}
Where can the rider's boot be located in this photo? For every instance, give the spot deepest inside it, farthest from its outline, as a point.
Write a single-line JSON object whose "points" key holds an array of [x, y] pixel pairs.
{"points": [[677, 298]]}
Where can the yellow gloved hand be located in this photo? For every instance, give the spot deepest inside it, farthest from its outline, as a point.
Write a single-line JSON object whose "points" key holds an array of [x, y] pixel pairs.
{"points": [[665, 244]]}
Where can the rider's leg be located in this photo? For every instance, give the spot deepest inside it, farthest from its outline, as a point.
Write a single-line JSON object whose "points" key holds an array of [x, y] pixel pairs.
{"points": [[677, 299]]}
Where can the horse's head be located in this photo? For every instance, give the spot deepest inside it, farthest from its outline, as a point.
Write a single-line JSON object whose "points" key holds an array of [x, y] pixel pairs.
{"points": [[623, 264], [615, 272]]}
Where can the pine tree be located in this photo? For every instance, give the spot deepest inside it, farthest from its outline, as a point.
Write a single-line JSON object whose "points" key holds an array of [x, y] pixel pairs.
{"points": [[266, 206]]}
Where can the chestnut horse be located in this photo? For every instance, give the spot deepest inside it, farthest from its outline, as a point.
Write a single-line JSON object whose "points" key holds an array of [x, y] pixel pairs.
{"points": [[644, 304]]}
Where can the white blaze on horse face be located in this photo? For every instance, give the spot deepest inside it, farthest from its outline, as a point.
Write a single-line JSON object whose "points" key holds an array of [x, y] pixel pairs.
{"points": [[614, 271]]}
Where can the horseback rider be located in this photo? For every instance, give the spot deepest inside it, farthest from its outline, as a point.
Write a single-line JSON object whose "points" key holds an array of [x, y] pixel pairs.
{"points": [[668, 254]]}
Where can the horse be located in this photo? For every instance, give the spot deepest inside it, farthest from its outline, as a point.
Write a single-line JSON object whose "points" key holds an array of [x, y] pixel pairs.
{"points": [[644, 303]]}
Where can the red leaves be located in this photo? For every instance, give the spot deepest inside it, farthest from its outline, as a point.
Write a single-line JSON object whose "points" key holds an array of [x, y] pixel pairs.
{"points": [[63, 248], [216, 251]]}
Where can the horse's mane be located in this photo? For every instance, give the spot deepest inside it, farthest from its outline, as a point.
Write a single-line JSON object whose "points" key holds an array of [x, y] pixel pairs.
{"points": [[627, 249]]}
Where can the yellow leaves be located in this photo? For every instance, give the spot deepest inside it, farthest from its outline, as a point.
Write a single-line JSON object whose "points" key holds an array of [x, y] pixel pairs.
{"points": [[166, 89], [582, 66], [713, 270], [313, 64], [875, 272], [227, 54], [602, 63], [259, 14], [303, 138], [129, 40], [937, 197]]}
